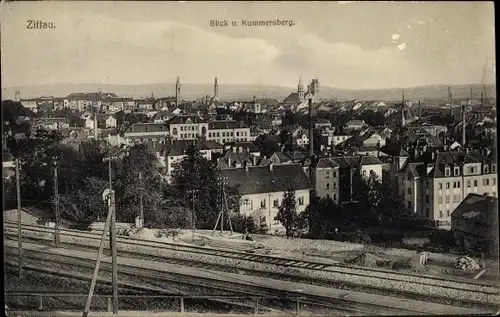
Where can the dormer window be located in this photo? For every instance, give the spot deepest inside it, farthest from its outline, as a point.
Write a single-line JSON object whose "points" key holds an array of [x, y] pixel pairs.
{"points": [[485, 168], [493, 167], [456, 171], [447, 171]]}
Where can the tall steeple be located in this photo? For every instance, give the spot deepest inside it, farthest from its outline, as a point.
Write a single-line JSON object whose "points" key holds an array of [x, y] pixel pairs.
{"points": [[216, 88], [300, 89], [177, 92]]}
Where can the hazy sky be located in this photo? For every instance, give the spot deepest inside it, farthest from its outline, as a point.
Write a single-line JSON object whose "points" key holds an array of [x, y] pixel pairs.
{"points": [[345, 45]]}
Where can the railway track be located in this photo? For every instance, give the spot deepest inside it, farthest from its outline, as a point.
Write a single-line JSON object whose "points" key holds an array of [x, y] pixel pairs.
{"points": [[160, 283], [42, 234]]}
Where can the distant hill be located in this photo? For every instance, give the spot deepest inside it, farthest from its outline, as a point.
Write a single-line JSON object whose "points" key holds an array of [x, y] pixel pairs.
{"points": [[246, 92]]}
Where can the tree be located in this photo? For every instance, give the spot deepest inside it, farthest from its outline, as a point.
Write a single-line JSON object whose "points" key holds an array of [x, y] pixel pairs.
{"points": [[323, 216], [287, 214], [195, 172], [138, 182], [266, 146], [85, 204]]}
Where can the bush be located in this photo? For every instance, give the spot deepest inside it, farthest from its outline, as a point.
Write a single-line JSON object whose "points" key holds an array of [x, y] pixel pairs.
{"points": [[241, 223]]}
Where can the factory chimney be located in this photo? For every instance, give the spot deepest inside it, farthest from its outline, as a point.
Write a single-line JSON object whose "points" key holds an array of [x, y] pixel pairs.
{"points": [[449, 96], [95, 125], [482, 109], [463, 126], [419, 110], [311, 132], [403, 110]]}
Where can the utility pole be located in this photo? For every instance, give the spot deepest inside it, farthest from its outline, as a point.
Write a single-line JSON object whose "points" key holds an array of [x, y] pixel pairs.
{"points": [[57, 237], [19, 219], [112, 240]]}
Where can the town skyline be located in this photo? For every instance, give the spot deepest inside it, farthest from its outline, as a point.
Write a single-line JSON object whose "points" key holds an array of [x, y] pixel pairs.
{"points": [[424, 44]]}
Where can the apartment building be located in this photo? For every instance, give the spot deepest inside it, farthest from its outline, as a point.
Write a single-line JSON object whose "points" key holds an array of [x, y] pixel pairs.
{"points": [[262, 189], [435, 185], [333, 175], [225, 131]]}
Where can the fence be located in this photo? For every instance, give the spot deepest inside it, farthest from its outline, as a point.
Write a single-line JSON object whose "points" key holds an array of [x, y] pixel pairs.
{"points": [[181, 298]]}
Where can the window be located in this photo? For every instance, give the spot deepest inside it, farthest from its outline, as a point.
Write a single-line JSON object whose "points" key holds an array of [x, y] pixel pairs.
{"points": [[447, 185], [262, 220], [263, 204], [334, 196], [276, 222], [493, 181], [409, 204], [276, 203], [485, 168], [364, 173], [447, 213], [409, 190], [327, 174], [327, 185], [475, 183], [301, 201], [440, 214], [174, 131], [237, 133], [447, 171], [440, 185], [487, 182], [493, 167], [334, 185], [182, 128], [468, 184], [457, 171], [447, 199], [427, 198], [334, 174], [440, 200], [454, 184], [458, 184], [223, 134]]}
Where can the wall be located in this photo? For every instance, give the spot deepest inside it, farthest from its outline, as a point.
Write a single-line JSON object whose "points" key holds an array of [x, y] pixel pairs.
{"points": [[324, 176]]}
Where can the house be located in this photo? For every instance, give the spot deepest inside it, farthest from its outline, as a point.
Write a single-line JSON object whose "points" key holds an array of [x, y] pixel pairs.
{"points": [[110, 122], [244, 146], [302, 140], [172, 151], [262, 188], [333, 175], [474, 223], [355, 124], [288, 157], [435, 184], [162, 116], [8, 165], [51, 124], [236, 157], [36, 216]]}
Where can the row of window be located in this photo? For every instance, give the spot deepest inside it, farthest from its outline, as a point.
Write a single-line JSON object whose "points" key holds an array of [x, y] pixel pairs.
{"points": [[334, 174], [456, 199], [456, 184], [188, 128], [328, 185], [276, 204], [441, 214], [224, 134]]}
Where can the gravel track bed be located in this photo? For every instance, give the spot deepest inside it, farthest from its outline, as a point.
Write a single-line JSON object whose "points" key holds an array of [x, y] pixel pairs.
{"points": [[151, 304], [338, 274]]}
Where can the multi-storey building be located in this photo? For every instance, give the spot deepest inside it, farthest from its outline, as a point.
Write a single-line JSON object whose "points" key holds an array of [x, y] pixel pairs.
{"points": [[225, 131], [333, 176], [438, 182], [187, 127], [144, 132], [262, 188]]}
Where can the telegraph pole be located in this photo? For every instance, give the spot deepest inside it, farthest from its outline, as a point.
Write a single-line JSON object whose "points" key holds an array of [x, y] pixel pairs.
{"points": [[112, 241], [192, 216], [19, 219]]}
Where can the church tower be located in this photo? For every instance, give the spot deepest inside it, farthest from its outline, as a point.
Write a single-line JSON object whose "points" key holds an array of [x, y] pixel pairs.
{"points": [[177, 92], [300, 90], [216, 88]]}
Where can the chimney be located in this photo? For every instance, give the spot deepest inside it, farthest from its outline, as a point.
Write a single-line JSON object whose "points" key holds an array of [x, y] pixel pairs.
{"points": [[482, 110], [240, 149], [245, 164], [229, 161], [463, 125], [254, 159], [449, 96], [271, 166], [419, 110], [433, 155]]}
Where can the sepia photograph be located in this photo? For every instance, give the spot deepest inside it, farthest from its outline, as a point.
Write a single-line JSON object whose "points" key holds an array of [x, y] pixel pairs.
{"points": [[278, 158]]}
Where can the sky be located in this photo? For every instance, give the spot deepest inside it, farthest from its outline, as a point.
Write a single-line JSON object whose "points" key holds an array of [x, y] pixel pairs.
{"points": [[355, 45]]}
